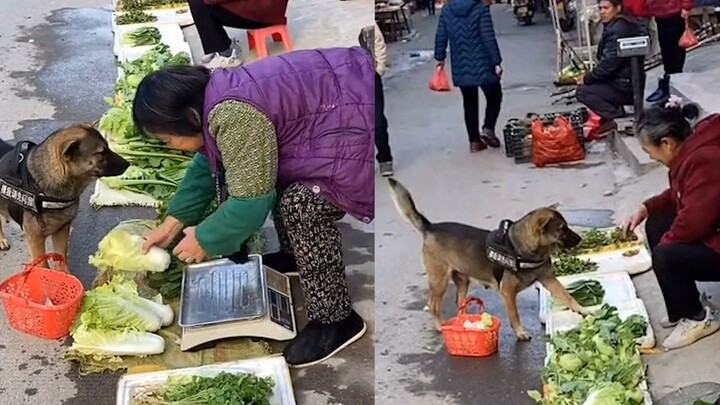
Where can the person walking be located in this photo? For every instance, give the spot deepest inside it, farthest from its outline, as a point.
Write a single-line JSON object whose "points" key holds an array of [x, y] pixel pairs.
{"points": [[212, 16], [670, 17], [373, 35], [476, 63]]}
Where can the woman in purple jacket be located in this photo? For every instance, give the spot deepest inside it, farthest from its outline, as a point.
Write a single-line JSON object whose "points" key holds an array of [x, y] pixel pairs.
{"points": [[292, 134]]}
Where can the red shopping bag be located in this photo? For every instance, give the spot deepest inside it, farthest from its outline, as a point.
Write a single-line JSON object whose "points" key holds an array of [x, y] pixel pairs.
{"points": [[439, 81], [688, 38]]}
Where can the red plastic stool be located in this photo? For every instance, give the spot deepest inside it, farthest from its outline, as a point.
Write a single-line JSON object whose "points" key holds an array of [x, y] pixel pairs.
{"points": [[258, 38]]}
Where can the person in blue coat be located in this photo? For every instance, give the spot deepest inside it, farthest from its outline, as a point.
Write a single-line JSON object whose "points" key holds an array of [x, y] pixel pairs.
{"points": [[476, 63]]}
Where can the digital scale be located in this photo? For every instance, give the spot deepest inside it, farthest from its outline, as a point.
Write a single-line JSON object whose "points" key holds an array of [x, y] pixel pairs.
{"points": [[635, 48], [223, 299]]}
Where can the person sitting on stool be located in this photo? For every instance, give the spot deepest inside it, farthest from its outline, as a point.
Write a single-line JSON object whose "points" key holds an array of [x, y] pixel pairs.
{"points": [[608, 87], [212, 16]]}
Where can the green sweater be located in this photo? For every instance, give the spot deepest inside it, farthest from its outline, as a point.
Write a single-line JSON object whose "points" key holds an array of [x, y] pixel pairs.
{"points": [[247, 143]]}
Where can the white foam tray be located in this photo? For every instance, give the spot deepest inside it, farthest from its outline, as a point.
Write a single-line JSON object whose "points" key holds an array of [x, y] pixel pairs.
{"points": [[171, 34], [180, 16], [274, 367], [566, 320], [618, 286], [614, 260]]}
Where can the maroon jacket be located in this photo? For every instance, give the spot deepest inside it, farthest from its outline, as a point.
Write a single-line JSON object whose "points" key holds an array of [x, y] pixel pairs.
{"points": [[668, 8], [270, 12], [694, 193]]}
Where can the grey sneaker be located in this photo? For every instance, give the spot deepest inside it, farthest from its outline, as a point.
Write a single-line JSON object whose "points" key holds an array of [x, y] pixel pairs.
{"points": [[235, 55], [386, 169], [689, 331]]}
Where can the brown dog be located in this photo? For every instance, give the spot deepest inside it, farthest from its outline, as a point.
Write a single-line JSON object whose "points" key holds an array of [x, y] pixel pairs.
{"points": [[41, 185], [458, 251]]}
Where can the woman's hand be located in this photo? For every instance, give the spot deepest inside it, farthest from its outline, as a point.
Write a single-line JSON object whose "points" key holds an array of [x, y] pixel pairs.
{"points": [[498, 70], [685, 14], [189, 249], [635, 219], [163, 235], [441, 63], [580, 80]]}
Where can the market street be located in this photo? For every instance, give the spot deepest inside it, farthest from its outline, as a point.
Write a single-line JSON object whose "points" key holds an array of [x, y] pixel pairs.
{"points": [[58, 67], [430, 149]]}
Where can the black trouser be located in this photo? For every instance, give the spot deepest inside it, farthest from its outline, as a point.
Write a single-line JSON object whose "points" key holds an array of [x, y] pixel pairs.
{"points": [[678, 267], [471, 105], [211, 20], [670, 29], [382, 138], [605, 99]]}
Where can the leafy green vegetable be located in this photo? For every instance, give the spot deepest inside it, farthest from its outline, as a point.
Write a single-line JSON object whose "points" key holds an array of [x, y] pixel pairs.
{"points": [[588, 293], [599, 354], [134, 17], [567, 264], [126, 5], [121, 249], [143, 36], [224, 388]]}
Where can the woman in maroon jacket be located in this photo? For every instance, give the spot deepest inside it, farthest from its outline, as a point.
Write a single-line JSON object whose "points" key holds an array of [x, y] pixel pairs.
{"points": [[670, 16], [212, 16], [683, 222]]}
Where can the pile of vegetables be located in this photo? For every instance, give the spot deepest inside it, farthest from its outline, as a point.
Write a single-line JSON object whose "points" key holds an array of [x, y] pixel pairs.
{"points": [[224, 388], [588, 293], [599, 358], [143, 36], [567, 264], [596, 239], [156, 170], [116, 321], [134, 17], [129, 5]]}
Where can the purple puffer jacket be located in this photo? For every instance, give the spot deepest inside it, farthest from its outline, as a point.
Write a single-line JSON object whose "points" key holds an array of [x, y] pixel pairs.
{"points": [[322, 103]]}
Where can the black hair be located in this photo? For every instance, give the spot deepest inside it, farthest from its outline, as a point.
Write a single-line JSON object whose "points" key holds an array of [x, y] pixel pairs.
{"points": [[661, 122], [616, 3], [168, 100]]}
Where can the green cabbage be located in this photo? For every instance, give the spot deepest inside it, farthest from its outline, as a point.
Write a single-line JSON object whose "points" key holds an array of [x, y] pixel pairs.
{"points": [[121, 249]]}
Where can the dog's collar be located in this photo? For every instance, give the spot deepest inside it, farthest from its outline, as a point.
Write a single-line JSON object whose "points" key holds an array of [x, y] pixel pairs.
{"points": [[18, 187], [501, 252]]}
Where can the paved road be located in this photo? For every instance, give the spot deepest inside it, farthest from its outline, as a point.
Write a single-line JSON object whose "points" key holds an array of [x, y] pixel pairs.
{"points": [[57, 66]]}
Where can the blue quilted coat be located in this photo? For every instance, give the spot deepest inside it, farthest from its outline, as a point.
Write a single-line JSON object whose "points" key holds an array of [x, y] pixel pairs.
{"points": [[474, 52]]}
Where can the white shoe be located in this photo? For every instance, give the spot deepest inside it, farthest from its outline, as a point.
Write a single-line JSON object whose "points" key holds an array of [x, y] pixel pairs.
{"points": [[236, 54], [689, 331], [704, 299], [219, 61]]}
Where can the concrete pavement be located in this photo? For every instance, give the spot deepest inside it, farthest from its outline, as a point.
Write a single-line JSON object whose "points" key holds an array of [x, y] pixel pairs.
{"points": [[429, 143], [58, 65]]}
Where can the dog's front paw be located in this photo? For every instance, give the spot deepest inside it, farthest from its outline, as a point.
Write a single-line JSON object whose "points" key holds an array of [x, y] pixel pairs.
{"points": [[522, 335], [4, 244]]}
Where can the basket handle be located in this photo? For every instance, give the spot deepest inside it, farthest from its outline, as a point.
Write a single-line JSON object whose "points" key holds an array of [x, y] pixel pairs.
{"points": [[61, 263], [470, 302]]}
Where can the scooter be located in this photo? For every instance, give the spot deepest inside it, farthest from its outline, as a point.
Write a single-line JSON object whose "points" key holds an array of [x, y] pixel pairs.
{"points": [[524, 11]]}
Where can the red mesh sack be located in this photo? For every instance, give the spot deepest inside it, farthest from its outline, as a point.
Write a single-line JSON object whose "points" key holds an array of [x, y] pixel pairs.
{"points": [[439, 81], [688, 38], [555, 143]]}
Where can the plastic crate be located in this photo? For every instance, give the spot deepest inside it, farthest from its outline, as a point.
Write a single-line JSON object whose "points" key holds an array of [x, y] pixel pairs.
{"points": [[518, 137]]}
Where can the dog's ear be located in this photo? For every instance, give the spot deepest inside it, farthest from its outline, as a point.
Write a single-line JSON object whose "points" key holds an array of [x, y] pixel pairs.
{"points": [[551, 222], [71, 148], [554, 206]]}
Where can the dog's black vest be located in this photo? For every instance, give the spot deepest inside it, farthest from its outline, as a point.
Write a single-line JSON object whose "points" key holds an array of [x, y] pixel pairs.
{"points": [[19, 188], [501, 252]]}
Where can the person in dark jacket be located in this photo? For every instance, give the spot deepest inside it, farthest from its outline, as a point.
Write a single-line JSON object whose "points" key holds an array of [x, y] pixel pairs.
{"points": [[289, 134], [608, 87], [682, 221], [476, 62], [212, 16], [670, 17]]}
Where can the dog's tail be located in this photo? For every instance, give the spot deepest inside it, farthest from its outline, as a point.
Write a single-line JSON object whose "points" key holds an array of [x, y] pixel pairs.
{"points": [[406, 206]]}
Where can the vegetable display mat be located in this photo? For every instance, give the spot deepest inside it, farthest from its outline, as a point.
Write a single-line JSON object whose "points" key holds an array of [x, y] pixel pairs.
{"points": [[170, 34], [618, 286], [104, 196], [274, 367], [566, 320]]}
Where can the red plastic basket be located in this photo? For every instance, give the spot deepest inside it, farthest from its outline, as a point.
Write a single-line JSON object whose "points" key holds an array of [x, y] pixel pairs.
{"points": [[25, 298], [470, 343]]}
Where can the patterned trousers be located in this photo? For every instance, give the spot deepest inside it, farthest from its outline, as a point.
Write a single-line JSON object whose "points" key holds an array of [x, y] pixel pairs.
{"points": [[307, 229]]}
